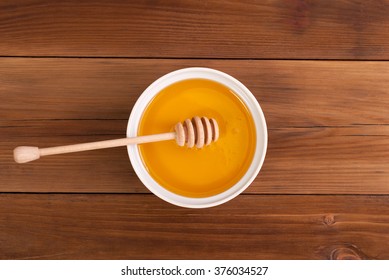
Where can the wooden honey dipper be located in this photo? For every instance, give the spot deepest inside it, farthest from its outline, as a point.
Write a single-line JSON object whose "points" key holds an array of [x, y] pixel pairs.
{"points": [[198, 131]]}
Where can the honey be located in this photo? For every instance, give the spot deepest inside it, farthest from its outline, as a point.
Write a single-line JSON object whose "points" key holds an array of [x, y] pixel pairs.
{"points": [[193, 172]]}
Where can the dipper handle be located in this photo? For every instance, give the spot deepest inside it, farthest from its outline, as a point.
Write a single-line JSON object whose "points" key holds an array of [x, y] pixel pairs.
{"points": [[199, 131]]}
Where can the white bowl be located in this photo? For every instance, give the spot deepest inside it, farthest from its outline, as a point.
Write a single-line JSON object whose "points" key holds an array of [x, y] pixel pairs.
{"points": [[240, 90]]}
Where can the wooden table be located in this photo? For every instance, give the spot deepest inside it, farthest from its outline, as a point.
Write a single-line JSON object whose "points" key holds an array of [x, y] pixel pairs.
{"points": [[70, 72]]}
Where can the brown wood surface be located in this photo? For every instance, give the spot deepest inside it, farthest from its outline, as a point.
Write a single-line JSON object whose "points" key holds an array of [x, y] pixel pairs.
{"points": [[328, 122], [143, 226], [334, 29], [71, 71]]}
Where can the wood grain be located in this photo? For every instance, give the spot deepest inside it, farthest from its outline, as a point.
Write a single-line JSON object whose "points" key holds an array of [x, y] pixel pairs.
{"points": [[298, 29], [291, 93], [328, 122], [249, 227]]}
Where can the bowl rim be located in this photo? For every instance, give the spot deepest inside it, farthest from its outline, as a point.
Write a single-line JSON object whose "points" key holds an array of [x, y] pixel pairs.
{"points": [[247, 98]]}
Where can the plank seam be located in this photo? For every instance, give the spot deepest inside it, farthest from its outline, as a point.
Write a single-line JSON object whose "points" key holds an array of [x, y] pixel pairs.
{"points": [[196, 58], [150, 194]]}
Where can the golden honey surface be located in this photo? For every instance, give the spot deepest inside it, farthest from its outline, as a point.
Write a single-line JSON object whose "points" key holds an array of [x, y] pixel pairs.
{"points": [[196, 172]]}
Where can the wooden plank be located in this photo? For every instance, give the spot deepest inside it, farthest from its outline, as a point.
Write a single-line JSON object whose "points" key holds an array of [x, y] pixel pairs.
{"points": [[341, 160], [248, 227], [230, 29], [291, 93], [318, 142]]}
